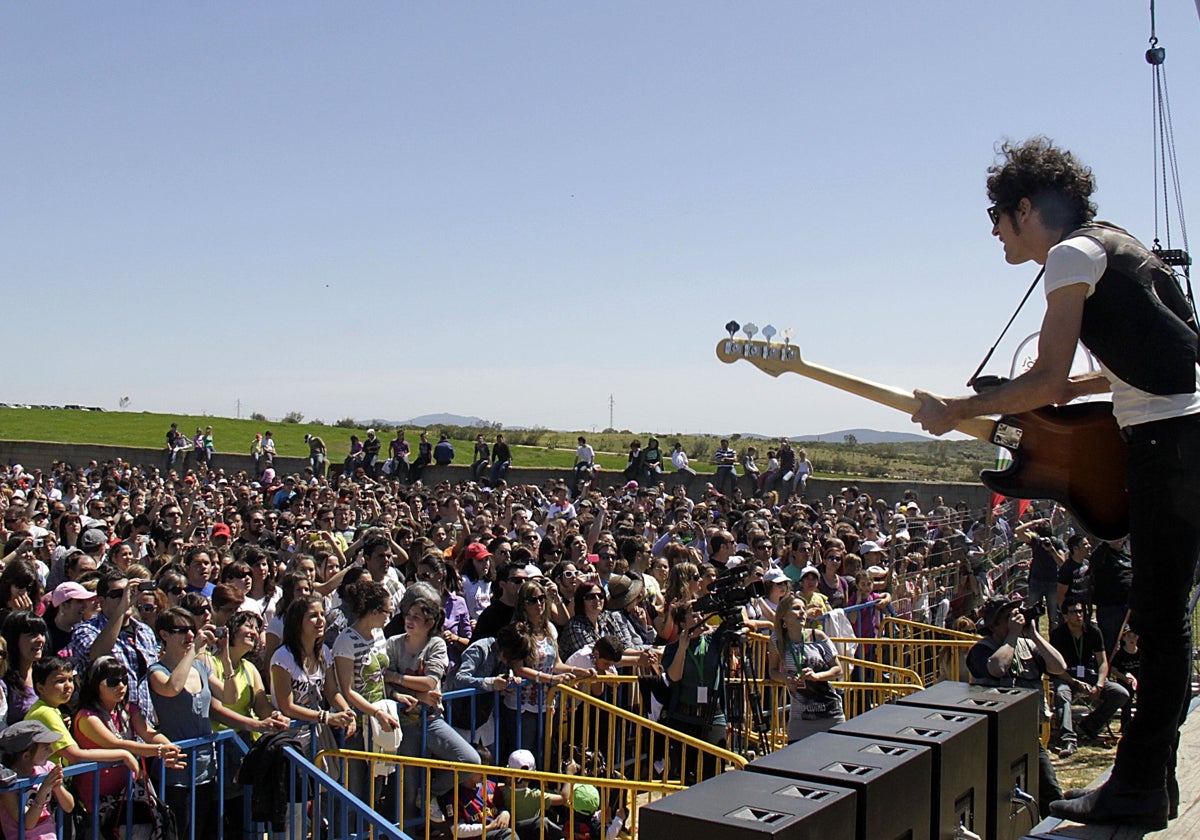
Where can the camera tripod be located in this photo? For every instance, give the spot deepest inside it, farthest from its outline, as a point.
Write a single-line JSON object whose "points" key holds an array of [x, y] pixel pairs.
{"points": [[741, 689]]}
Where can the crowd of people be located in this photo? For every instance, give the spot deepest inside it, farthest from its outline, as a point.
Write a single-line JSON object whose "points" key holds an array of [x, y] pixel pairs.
{"points": [[140, 608]]}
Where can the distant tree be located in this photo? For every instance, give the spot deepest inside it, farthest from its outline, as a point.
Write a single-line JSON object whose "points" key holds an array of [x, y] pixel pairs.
{"points": [[345, 423], [851, 440], [258, 417], [293, 417]]}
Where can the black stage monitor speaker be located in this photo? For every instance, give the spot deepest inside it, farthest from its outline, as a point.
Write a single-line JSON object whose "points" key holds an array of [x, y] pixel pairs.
{"points": [[884, 774], [958, 743], [1012, 715], [747, 806]]}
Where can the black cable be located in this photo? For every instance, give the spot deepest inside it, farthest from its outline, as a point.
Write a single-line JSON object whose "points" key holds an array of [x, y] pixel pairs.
{"points": [[988, 357]]}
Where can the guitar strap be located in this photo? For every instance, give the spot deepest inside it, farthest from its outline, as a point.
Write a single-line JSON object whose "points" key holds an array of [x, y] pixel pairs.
{"points": [[975, 376]]}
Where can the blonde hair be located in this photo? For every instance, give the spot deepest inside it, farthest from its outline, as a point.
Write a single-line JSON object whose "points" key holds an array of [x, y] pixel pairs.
{"points": [[781, 611], [679, 582]]}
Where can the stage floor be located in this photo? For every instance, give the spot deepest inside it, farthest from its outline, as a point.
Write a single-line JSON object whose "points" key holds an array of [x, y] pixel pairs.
{"points": [[1185, 827]]}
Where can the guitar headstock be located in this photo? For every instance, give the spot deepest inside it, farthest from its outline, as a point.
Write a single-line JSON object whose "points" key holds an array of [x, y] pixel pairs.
{"points": [[771, 358]]}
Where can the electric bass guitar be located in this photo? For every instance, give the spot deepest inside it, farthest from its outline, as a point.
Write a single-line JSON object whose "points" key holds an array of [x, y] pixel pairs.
{"points": [[1072, 454]]}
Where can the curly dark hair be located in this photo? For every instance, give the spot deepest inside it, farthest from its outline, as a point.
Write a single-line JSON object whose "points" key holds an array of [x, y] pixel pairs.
{"points": [[1056, 184]]}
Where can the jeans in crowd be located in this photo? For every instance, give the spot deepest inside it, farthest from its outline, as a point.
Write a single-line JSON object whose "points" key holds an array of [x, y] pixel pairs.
{"points": [[1112, 697]]}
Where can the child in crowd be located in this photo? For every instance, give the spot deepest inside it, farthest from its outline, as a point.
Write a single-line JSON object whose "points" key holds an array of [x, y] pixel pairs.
{"points": [[1126, 664], [54, 682], [530, 806], [25, 748], [479, 812]]}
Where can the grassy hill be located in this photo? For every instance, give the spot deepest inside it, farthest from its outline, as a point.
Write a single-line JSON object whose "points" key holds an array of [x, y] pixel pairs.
{"points": [[937, 460]]}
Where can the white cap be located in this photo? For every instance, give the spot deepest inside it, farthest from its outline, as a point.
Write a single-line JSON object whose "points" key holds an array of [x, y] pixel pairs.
{"points": [[521, 760]]}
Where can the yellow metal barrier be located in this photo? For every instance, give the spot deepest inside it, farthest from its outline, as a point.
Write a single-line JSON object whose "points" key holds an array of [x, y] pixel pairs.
{"points": [[900, 628], [618, 797], [857, 697], [934, 659], [877, 673], [631, 744]]}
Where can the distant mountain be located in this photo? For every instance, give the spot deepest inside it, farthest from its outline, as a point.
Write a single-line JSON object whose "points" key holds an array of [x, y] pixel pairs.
{"points": [[436, 420], [866, 436]]}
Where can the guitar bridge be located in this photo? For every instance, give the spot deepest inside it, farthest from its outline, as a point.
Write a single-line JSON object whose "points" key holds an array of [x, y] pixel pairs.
{"points": [[1007, 436]]}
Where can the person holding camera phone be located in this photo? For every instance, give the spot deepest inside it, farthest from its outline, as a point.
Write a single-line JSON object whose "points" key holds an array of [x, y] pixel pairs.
{"points": [[1013, 654], [1049, 553]]}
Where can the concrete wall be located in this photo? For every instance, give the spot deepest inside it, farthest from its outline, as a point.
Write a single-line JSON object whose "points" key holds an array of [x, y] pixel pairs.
{"points": [[36, 455]]}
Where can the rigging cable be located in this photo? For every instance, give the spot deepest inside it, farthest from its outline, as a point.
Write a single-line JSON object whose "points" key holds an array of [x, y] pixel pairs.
{"points": [[1166, 164]]}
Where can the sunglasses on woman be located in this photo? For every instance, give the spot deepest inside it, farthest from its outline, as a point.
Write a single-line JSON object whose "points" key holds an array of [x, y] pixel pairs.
{"points": [[113, 682]]}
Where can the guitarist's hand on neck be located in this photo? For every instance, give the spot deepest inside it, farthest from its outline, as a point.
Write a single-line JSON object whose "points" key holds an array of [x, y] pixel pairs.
{"points": [[938, 415]]}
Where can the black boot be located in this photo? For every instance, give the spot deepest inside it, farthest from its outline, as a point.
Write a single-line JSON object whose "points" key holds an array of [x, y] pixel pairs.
{"points": [[1114, 803]]}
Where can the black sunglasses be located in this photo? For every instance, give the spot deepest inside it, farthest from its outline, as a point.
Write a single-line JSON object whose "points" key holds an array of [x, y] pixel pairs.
{"points": [[113, 682], [177, 629], [593, 596], [994, 214]]}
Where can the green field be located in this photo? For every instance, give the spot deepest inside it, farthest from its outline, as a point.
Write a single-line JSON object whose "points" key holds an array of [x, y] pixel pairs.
{"points": [[119, 428], [937, 460]]}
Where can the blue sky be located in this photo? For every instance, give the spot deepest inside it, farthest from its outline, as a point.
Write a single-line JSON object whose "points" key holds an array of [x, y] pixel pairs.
{"points": [[516, 210]]}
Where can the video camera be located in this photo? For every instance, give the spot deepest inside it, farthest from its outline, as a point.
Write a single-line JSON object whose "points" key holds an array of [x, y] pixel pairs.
{"points": [[1034, 612], [728, 593]]}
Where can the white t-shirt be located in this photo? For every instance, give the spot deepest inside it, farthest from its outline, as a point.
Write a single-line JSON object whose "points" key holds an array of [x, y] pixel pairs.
{"points": [[1081, 259], [308, 688]]}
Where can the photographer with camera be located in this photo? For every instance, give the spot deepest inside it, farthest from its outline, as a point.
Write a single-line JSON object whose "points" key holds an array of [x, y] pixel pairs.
{"points": [[1013, 654]]}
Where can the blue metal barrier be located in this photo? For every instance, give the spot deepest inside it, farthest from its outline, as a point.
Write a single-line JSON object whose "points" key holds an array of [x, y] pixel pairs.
{"points": [[90, 823], [347, 816]]}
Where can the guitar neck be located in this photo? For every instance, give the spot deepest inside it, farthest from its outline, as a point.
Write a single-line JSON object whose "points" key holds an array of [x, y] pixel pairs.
{"points": [[775, 359]]}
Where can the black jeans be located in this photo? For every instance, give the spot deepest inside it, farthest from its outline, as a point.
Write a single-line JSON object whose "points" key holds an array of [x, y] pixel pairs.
{"points": [[1164, 501]]}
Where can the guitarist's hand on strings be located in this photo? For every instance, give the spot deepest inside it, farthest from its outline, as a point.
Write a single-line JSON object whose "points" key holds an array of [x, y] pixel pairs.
{"points": [[936, 415]]}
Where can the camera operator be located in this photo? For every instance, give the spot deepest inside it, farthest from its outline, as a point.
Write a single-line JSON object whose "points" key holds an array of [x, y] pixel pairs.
{"points": [[695, 704], [1013, 654]]}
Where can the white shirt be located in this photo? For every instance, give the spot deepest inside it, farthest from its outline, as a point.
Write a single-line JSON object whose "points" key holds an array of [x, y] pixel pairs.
{"points": [[1081, 259]]}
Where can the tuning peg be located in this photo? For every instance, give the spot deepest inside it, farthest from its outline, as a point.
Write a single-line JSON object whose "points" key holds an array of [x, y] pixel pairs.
{"points": [[732, 327], [768, 333], [787, 334], [750, 329]]}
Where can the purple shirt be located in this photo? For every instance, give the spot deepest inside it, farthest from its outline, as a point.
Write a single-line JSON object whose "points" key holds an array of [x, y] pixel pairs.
{"points": [[458, 621]]}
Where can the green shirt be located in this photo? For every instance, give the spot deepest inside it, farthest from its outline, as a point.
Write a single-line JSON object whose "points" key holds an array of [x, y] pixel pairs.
{"points": [[54, 721]]}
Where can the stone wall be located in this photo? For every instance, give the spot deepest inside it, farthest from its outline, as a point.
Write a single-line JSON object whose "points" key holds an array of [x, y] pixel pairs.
{"points": [[37, 455]]}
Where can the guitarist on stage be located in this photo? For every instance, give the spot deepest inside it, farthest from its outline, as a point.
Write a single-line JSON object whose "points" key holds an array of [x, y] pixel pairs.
{"points": [[1106, 289]]}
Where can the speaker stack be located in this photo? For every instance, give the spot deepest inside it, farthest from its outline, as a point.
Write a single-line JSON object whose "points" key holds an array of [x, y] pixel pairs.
{"points": [[957, 741], [883, 774], [747, 806], [1012, 746]]}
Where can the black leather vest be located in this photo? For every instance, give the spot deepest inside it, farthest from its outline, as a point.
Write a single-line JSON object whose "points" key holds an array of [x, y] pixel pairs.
{"points": [[1137, 321]]}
